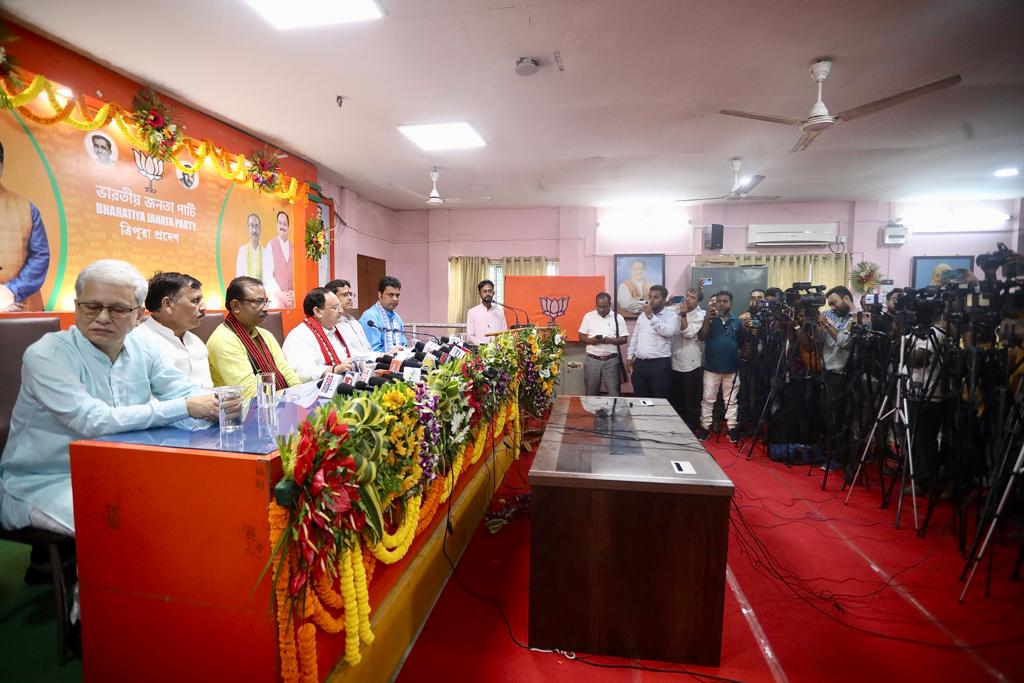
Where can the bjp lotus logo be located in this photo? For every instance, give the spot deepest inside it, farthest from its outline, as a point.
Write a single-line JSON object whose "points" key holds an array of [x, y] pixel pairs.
{"points": [[553, 308], [149, 168]]}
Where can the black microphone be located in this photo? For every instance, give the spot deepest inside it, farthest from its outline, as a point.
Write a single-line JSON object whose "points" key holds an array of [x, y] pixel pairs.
{"points": [[514, 310], [362, 386], [418, 347], [420, 356], [386, 358], [382, 366], [378, 381], [411, 363], [443, 340], [345, 389]]}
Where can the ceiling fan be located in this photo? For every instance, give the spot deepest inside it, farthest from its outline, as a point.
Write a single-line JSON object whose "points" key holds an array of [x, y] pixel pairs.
{"points": [[819, 120], [740, 189], [435, 199]]}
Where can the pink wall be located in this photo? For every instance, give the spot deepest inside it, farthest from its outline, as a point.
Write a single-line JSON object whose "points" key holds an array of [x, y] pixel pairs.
{"points": [[418, 244]]}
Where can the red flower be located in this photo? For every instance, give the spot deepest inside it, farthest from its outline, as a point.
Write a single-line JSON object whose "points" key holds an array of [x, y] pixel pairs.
{"points": [[155, 119], [318, 482], [358, 519], [304, 454], [298, 581]]}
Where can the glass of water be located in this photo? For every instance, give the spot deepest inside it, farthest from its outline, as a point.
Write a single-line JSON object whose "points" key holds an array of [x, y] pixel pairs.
{"points": [[266, 404], [229, 405]]}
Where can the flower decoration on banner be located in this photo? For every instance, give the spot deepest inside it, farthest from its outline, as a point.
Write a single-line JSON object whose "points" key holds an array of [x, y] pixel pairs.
{"points": [[865, 276], [8, 64], [155, 125], [263, 168], [316, 239], [78, 114], [365, 475]]}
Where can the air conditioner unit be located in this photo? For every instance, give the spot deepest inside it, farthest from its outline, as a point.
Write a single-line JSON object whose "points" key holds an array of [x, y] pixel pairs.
{"points": [[792, 234], [894, 233]]}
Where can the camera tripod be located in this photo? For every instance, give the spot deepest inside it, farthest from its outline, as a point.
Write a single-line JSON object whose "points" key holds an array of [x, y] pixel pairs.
{"points": [[899, 414]]}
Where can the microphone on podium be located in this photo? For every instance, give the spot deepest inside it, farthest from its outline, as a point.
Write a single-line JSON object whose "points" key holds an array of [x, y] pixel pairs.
{"points": [[515, 312]]}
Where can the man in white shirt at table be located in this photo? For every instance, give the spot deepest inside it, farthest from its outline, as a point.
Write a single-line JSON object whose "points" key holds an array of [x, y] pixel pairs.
{"points": [[315, 348], [486, 316], [688, 360], [175, 305], [91, 380], [348, 325], [603, 331]]}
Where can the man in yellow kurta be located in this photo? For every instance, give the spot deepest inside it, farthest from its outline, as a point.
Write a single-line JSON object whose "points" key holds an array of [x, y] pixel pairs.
{"points": [[24, 251], [239, 348]]}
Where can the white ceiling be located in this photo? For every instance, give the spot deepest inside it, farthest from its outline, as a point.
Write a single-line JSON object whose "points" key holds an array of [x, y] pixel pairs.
{"points": [[632, 117]]}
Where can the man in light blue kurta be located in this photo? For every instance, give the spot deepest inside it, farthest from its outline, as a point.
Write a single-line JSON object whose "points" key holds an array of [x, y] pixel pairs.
{"points": [[88, 381], [387, 330]]}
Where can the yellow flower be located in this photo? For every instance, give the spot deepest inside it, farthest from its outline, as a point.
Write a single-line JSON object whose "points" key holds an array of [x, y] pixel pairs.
{"points": [[393, 400]]}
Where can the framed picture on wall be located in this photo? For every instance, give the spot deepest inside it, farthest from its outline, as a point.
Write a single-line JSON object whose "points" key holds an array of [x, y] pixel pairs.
{"points": [[634, 276], [928, 270]]}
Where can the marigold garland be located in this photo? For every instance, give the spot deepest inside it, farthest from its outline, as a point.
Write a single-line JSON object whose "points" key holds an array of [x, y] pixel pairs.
{"points": [[348, 591], [307, 653], [363, 592], [229, 167], [393, 547], [278, 517], [430, 505]]}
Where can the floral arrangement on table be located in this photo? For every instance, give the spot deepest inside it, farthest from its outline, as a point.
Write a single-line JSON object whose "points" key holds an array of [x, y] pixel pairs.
{"points": [[865, 276], [366, 474], [263, 169], [155, 125], [316, 239]]}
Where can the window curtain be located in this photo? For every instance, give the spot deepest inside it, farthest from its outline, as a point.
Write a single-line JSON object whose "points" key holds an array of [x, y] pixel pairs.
{"points": [[464, 274], [524, 265], [785, 269], [832, 270]]}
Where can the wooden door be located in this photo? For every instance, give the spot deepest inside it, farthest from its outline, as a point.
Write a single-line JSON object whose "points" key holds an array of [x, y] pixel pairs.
{"points": [[370, 270]]}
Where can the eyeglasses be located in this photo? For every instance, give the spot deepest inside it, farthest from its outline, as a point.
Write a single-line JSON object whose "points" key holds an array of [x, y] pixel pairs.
{"points": [[93, 309], [260, 303], [348, 294]]}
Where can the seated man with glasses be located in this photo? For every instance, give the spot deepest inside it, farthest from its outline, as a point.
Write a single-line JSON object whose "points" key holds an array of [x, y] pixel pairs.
{"points": [[239, 348], [316, 347], [91, 380], [348, 325]]}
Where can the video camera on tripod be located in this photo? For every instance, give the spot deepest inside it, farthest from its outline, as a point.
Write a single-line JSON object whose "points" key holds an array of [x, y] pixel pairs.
{"points": [[1003, 257], [916, 310], [805, 299]]}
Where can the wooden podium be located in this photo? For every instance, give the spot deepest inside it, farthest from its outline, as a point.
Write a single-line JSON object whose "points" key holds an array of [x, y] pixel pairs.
{"points": [[629, 534]]}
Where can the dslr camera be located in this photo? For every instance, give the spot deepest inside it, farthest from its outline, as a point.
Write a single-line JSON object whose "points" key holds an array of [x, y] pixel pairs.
{"points": [[803, 297]]}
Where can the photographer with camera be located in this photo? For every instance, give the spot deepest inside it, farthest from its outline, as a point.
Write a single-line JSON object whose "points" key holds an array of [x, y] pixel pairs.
{"points": [[649, 359], [722, 334], [688, 360], [834, 334]]}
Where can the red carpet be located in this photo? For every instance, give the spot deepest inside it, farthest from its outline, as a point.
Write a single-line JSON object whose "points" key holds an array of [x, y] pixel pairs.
{"points": [[839, 594]]}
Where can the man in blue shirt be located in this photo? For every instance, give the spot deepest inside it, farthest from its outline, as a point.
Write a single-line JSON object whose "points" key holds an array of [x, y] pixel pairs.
{"points": [[24, 252], [88, 381], [722, 334], [384, 328]]}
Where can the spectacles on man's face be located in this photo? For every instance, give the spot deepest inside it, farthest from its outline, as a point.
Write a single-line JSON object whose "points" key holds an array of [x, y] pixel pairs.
{"points": [[116, 311], [260, 303]]}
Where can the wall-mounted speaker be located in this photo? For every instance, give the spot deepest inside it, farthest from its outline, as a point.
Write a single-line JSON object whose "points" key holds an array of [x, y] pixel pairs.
{"points": [[714, 235]]}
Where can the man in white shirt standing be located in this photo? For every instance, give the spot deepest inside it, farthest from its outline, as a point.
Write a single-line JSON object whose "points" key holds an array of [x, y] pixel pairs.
{"points": [[315, 348], [348, 325], [649, 359], [175, 305], [486, 316], [688, 359], [603, 332], [278, 270]]}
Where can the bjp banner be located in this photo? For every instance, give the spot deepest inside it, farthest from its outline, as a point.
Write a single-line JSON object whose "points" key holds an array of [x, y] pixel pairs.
{"points": [[560, 300], [95, 196]]}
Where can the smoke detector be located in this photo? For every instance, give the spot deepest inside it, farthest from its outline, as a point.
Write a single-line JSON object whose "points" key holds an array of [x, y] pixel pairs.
{"points": [[527, 66]]}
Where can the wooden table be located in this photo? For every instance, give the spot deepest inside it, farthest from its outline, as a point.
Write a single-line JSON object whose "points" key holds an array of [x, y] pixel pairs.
{"points": [[629, 534]]}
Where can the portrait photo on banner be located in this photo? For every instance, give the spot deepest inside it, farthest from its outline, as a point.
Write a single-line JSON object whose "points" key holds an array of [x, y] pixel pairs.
{"points": [[71, 197], [635, 274], [934, 271]]}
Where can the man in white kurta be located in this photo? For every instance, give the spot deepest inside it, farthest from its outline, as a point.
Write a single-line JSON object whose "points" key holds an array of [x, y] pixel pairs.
{"points": [[251, 255], [91, 380], [348, 325], [175, 305], [305, 347]]}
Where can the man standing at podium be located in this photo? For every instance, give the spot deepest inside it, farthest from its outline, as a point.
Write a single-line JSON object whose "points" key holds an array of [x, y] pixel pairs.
{"points": [[486, 316], [604, 332]]}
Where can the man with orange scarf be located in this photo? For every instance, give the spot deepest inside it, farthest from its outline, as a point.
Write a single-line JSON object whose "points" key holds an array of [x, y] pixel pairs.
{"points": [[24, 251], [239, 348]]}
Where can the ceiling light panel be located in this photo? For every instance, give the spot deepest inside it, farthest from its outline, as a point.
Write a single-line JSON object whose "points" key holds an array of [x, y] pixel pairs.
{"points": [[432, 137], [293, 14], [1006, 172]]}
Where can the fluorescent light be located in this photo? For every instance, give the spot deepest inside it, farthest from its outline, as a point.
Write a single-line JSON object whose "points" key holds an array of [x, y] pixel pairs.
{"points": [[431, 137], [306, 13], [1006, 173]]}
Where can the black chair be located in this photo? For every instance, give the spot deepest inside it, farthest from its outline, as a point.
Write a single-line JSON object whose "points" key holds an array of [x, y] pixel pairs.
{"points": [[273, 324], [207, 325], [16, 335]]}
